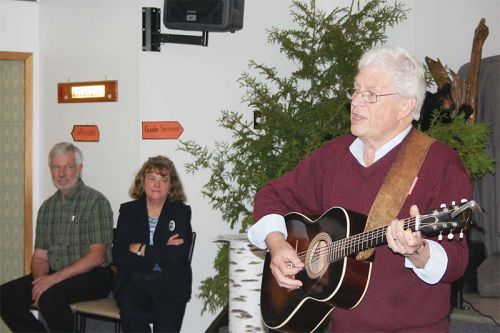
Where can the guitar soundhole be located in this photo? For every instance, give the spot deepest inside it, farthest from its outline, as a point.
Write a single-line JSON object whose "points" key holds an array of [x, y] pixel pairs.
{"points": [[316, 262]]}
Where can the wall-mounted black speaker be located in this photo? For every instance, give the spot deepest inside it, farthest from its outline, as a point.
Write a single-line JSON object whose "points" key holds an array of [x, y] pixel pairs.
{"points": [[204, 15]]}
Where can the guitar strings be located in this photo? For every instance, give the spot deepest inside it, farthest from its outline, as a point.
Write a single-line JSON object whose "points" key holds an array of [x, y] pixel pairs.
{"points": [[342, 248]]}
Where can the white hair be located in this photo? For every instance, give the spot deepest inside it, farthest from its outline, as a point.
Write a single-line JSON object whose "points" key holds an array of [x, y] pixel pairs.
{"points": [[65, 147], [407, 74]]}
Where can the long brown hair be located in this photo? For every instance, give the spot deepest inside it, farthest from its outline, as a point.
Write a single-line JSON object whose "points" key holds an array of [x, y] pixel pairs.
{"points": [[165, 167]]}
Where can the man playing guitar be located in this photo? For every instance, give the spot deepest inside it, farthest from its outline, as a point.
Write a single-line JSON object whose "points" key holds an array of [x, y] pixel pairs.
{"points": [[409, 278]]}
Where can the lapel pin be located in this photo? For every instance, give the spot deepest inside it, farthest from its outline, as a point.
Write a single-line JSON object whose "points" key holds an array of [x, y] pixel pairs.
{"points": [[171, 225]]}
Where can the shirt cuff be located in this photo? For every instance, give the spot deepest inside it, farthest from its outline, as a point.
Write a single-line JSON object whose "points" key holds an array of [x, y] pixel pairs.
{"points": [[435, 267], [270, 223]]}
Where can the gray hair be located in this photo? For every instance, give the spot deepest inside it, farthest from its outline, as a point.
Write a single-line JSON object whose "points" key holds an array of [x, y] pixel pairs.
{"points": [[407, 74], [66, 147]]}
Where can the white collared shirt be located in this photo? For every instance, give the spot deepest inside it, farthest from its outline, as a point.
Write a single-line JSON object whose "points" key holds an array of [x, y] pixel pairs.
{"points": [[438, 260], [356, 148]]}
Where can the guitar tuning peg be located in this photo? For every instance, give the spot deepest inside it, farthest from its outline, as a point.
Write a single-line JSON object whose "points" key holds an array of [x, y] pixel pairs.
{"points": [[442, 205], [440, 237], [461, 233], [450, 235], [453, 203], [463, 201]]}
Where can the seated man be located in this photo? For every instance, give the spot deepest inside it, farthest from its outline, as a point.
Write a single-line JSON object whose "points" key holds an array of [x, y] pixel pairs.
{"points": [[71, 259]]}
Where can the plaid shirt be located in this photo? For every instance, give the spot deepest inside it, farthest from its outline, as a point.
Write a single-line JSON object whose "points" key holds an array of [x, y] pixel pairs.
{"points": [[67, 229]]}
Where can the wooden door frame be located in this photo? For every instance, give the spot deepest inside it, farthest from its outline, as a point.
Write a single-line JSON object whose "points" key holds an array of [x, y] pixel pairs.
{"points": [[27, 58]]}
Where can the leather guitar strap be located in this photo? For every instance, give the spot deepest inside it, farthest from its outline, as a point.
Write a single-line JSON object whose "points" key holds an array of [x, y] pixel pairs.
{"points": [[397, 184]]}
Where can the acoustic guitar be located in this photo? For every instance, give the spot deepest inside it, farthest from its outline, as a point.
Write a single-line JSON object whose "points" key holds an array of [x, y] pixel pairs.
{"points": [[332, 277]]}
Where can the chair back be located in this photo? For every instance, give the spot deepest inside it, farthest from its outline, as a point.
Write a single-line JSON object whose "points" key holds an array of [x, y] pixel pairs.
{"points": [[191, 249]]}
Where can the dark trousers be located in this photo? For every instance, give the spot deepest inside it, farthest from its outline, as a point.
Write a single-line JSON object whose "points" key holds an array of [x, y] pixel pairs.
{"points": [[15, 300], [141, 301]]}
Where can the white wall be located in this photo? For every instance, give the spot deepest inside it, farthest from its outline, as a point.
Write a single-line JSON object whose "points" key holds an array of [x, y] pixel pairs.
{"points": [[97, 39], [18, 26], [444, 29], [92, 41]]}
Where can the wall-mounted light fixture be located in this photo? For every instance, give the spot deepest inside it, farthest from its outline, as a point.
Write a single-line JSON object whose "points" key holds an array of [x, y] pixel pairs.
{"points": [[85, 92]]}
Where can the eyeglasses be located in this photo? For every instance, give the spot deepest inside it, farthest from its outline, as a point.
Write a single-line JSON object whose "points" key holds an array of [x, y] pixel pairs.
{"points": [[58, 168], [367, 96]]}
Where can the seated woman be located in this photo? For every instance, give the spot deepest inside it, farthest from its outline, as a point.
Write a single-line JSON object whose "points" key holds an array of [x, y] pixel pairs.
{"points": [[151, 249]]}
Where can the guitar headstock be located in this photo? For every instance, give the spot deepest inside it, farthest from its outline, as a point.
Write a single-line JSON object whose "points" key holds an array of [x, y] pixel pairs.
{"points": [[447, 218]]}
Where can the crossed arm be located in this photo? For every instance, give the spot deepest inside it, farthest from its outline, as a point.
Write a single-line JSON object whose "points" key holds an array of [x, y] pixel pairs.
{"points": [[173, 240]]}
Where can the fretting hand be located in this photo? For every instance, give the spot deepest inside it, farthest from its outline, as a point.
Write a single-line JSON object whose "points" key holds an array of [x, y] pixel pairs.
{"points": [[407, 242]]}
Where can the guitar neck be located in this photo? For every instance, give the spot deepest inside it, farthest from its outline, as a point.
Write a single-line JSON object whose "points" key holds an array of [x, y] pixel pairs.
{"points": [[368, 239]]}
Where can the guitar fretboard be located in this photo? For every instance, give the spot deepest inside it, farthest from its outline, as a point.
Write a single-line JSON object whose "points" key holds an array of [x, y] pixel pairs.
{"points": [[345, 247]]}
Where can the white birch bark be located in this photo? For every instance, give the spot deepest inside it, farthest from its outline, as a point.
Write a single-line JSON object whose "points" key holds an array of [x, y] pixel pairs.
{"points": [[245, 276]]}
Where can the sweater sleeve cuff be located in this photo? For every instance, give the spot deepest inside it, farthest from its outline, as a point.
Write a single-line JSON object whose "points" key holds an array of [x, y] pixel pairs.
{"points": [[269, 223], [435, 267]]}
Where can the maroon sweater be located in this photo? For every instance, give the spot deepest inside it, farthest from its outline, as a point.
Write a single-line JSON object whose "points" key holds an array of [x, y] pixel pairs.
{"points": [[396, 300]]}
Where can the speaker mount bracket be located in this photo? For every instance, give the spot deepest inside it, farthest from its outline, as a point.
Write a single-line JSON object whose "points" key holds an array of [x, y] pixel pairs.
{"points": [[152, 38]]}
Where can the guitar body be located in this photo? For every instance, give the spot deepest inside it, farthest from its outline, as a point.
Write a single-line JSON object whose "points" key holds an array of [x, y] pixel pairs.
{"points": [[341, 283], [332, 276]]}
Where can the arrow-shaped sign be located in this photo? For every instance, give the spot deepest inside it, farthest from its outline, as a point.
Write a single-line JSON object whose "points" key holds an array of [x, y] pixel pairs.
{"points": [[161, 129], [85, 133]]}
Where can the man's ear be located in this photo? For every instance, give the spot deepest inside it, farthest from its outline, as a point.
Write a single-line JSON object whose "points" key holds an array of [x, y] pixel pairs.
{"points": [[407, 107]]}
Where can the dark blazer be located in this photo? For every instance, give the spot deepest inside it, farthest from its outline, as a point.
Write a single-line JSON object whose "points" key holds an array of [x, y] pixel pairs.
{"points": [[133, 227]]}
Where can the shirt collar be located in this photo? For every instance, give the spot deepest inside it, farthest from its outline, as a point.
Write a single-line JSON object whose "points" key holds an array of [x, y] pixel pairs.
{"points": [[356, 147], [71, 193]]}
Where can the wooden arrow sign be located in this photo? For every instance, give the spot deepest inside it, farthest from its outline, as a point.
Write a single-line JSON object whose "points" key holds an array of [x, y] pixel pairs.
{"points": [[161, 129], [85, 133]]}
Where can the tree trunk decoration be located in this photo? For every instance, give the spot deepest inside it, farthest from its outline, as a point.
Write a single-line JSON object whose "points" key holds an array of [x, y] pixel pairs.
{"points": [[463, 92], [245, 277], [450, 114]]}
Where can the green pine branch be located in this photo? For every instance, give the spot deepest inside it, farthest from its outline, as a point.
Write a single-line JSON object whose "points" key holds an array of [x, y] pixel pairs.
{"points": [[468, 139]]}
